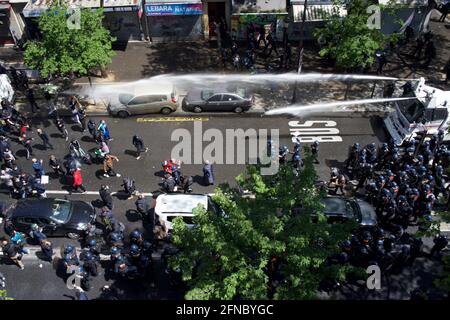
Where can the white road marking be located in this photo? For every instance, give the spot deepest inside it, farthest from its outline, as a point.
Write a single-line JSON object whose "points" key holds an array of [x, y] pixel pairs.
{"points": [[95, 193]]}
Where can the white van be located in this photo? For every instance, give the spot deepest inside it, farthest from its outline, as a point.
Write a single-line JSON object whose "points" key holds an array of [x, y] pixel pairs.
{"points": [[170, 206], [6, 89], [429, 112]]}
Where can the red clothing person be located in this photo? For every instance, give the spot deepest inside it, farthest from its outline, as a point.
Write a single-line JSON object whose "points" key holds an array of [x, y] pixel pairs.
{"points": [[78, 180]]}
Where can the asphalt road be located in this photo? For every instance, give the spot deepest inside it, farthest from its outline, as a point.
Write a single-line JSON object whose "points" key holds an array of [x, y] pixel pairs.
{"points": [[36, 282]]}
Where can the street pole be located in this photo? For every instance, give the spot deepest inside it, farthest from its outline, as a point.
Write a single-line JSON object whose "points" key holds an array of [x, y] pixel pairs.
{"points": [[300, 50]]}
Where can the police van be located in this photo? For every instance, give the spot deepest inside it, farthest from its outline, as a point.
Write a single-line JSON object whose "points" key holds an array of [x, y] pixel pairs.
{"points": [[426, 111], [170, 206]]}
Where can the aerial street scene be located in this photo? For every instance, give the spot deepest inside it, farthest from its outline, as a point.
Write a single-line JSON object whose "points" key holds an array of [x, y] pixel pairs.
{"points": [[225, 150]]}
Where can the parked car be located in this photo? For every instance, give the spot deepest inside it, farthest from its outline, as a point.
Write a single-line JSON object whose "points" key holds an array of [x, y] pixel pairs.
{"points": [[169, 206], [58, 217], [340, 209], [218, 99], [154, 99]]}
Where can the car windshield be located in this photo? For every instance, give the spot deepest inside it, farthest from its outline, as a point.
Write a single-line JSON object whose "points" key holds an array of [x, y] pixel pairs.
{"points": [[413, 110], [60, 211], [124, 98]]}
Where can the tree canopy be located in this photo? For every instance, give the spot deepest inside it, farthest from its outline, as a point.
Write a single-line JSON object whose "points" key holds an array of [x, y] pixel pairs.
{"points": [[349, 40], [65, 50], [261, 247]]}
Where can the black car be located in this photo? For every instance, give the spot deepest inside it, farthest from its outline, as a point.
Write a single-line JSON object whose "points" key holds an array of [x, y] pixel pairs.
{"points": [[233, 99], [339, 209], [58, 217]]}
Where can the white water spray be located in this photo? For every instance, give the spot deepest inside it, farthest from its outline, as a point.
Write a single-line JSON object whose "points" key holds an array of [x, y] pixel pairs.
{"points": [[196, 80], [337, 106]]}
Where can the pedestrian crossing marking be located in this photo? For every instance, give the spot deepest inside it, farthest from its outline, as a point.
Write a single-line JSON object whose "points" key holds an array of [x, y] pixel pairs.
{"points": [[172, 119]]}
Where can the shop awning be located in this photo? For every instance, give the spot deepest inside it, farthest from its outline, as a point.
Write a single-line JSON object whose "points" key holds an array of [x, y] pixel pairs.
{"points": [[173, 7], [120, 5], [317, 12], [35, 8]]}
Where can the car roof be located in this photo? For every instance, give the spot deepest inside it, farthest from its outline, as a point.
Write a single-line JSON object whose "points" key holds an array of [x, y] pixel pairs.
{"points": [[179, 204], [335, 206], [33, 207]]}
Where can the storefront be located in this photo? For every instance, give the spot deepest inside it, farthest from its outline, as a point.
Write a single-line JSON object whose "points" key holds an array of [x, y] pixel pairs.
{"points": [[6, 37], [122, 19], [174, 20]]}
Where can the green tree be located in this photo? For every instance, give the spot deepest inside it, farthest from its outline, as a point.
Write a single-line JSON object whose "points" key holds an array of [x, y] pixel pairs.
{"points": [[64, 51], [3, 295], [349, 40], [264, 246]]}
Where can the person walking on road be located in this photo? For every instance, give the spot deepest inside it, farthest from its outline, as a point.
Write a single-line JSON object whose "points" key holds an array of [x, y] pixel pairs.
{"points": [[142, 206], [208, 174], [62, 128], [78, 181], [12, 252], [92, 128], [38, 167], [47, 250], [139, 145], [45, 139], [105, 195], [32, 101], [55, 165], [108, 166], [103, 128]]}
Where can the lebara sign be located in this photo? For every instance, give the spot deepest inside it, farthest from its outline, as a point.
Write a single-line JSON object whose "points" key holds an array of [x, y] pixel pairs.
{"points": [[173, 9]]}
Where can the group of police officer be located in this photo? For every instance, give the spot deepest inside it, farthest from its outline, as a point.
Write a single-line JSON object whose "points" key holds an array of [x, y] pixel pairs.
{"points": [[403, 183], [130, 260]]}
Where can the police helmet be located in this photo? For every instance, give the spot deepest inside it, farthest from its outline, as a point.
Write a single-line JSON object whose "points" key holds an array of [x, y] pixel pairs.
{"points": [[430, 178], [135, 234], [379, 233], [402, 174], [420, 157], [384, 145], [88, 256], [297, 157], [34, 227], [395, 156], [428, 218], [389, 173], [367, 236], [401, 198], [115, 236], [115, 250], [346, 244], [381, 179], [410, 150], [92, 243], [415, 191], [69, 249], [284, 147], [385, 192], [316, 143], [356, 146], [134, 249], [427, 187]]}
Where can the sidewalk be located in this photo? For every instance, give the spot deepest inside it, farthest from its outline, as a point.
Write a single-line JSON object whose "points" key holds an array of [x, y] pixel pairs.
{"points": [[143, 60]]}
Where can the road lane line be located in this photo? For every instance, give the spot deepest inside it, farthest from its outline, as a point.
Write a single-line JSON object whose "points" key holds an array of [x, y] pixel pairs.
{"points": [[95, 193]]}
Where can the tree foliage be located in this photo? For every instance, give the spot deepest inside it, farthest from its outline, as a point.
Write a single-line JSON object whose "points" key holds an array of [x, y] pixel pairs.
{"points": [[349, 40], [3, 295], [64, 51], [260, 247]]}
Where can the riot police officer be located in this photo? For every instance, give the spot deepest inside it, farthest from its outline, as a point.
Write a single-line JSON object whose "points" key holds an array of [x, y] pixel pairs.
{"points": [[440, 242], [90, 264], [315, 151], [353, 156], [136, 237], [282, 156]]}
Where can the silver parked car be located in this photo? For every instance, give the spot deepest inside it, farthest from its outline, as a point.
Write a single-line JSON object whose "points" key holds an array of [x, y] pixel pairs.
{"points": [[155, 99]]}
